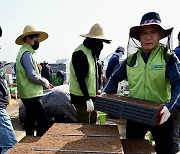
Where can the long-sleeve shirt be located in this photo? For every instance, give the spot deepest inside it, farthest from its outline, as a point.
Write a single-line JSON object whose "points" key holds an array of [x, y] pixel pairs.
{"points": [[27, 62], [3, 93], [113, 64], [172, 73]]}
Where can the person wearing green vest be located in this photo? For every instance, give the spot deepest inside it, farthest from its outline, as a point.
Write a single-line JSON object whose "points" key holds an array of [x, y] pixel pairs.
{"points": [[84, 75], [152, 72], [29, 81]]}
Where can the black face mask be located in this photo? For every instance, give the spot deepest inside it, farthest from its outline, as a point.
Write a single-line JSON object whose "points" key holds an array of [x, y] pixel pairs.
{"points": [[36, 45], [95, 45]]}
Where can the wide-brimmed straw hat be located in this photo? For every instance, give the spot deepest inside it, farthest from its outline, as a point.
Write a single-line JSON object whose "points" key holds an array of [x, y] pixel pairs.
{"points": [[96, 32], [30, 30], [150, 18]]}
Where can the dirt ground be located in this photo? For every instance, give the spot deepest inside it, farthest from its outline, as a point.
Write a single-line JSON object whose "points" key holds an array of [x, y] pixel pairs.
{"points": [[54, 142]]}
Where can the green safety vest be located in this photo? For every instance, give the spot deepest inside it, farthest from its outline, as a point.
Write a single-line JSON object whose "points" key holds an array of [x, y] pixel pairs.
{"points": [[25, 87], [90, 78], [148, 81]]}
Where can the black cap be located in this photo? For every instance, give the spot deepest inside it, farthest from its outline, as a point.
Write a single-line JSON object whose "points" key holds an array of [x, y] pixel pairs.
{"points": [[0, 32]]}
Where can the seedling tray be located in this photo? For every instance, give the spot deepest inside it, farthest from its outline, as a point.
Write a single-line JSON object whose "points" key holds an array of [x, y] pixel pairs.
{"points": [[139, 110]]}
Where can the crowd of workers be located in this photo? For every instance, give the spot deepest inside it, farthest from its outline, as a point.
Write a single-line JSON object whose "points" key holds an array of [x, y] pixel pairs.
{"points": [[152, 73]]}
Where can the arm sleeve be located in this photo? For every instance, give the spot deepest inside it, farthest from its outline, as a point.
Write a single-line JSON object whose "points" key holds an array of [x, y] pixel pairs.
{"points": [[27, 63], [81, 67], [173, 74], [115, 78], [111, 65]]}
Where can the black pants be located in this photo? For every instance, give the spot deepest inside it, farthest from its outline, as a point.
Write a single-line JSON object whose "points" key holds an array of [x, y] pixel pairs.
{"points": [[162, 134], [83, 116], [35, 114]]}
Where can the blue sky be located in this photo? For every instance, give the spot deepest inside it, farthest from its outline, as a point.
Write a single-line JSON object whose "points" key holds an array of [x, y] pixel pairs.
{"points": [[65, 20]]}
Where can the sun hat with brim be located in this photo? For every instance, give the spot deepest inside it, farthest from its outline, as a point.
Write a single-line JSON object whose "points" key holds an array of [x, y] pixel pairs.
{"points": [[150, 18], [30, 30], [96, 32]]}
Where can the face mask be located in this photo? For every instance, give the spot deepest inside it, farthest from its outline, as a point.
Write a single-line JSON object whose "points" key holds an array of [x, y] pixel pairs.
{"points": [[36, 45]]}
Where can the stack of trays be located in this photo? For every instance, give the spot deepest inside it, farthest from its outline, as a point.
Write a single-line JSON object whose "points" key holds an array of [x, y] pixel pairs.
{"points": [[139, 110]]}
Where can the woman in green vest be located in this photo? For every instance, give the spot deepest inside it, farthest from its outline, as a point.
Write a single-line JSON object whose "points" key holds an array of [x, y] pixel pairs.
{"points": [[29, 81], [153, 74], [84, 75]]}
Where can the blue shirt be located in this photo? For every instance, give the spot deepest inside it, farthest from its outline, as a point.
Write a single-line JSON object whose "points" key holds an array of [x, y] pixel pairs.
{"points": [[112, 64], [27, 62]]}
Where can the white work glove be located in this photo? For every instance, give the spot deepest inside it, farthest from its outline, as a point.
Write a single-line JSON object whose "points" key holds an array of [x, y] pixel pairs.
{"points": [[103, 93], [164, 115], [90, 105], [46, 83], [99, 92]]}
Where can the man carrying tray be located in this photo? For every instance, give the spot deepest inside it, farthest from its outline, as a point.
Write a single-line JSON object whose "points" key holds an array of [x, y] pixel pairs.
{"points": [[151, 70]]}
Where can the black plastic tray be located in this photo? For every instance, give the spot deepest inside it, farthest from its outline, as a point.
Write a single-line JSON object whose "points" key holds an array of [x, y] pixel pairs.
{"points": [[128, 109]]}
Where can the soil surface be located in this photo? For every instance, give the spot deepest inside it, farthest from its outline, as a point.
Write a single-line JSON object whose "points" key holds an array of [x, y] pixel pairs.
{"points": [[73, 138], [86, 130], [79, 144], [137, 146], [137, 101]]}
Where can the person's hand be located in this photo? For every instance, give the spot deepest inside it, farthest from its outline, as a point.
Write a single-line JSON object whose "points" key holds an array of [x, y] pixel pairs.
{"points": [[164, 115], [103, 93], [90, 105], [99, 92], [51, 86], [46, 84]]}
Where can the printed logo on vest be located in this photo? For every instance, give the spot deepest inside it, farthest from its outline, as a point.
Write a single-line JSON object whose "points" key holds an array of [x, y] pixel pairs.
{"points": [[156, 66]]}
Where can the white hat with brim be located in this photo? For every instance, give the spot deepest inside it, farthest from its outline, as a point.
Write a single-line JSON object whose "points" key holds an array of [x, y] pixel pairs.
{"points": [[30, 30], [151, 18], [96, 32]]}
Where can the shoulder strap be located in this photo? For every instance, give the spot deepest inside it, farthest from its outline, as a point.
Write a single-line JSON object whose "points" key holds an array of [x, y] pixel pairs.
{"points": [[167, 53], [131, 60]]}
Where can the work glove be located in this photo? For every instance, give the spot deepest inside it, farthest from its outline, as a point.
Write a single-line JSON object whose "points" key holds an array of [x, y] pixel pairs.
{"points": [[46, 83], [99, 92], [90, 105], [103, 93], [164, 115]]}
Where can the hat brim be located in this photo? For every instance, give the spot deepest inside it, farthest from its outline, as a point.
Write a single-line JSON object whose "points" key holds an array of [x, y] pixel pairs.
{"points": [[135, 31], [100, 37], [42, 36]]}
